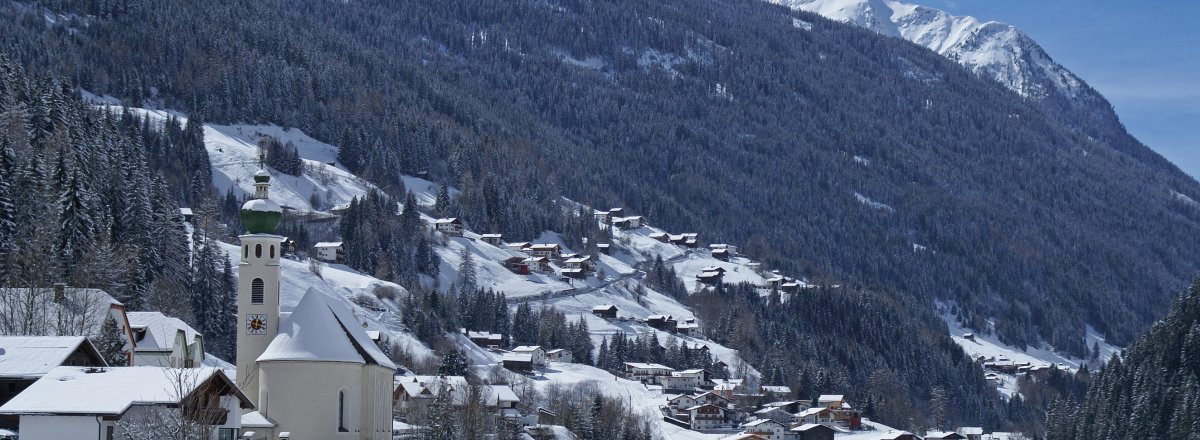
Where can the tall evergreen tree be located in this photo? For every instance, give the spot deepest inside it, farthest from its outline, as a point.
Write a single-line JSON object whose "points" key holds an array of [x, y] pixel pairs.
{"points": [[75, 220]]}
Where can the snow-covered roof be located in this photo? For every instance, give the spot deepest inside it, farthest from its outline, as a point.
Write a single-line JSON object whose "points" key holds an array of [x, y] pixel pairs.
{"points": [[758, 422], [807, 427], [31, 357], [527, 349], [543, 247], [111, 391], [320, 330], [577, 260], [768, 409], [778, 389], [161, 331], [328, 244], [517, 357], [446, 221], [687, 372], [604, 307], [811, 412], [261, 205], [185, 211], [644, 366], [680, 397], [484, 335], [970, 430], [262, 173], [491, 236], [255, 419], [494, 394], [943, 435], [82, 310], [430, 385], [830, 398], [556, 351]]}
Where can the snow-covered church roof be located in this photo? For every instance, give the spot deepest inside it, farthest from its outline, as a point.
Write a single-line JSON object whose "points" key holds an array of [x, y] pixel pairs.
{"points": [[320, 330]]}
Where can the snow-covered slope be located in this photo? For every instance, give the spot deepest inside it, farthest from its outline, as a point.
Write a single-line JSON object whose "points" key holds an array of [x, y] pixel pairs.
{"points": [[990, 347], [618, 284], [992, 49], [233, 152], [340, 283]]}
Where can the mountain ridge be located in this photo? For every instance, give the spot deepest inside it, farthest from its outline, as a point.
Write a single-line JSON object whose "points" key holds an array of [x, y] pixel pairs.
{"points": [[996, 50]]}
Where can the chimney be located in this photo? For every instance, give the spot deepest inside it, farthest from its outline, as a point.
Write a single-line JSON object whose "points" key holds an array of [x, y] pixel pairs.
{"points": [[60, 292]]}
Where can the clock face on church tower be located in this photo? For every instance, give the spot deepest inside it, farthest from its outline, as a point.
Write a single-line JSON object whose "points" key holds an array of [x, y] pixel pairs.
{"points": [[256, 324]]}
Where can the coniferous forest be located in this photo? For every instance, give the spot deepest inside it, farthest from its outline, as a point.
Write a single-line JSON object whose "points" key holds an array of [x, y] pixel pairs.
{"points": [[1151, 391], [851, 158], [723, 116]]}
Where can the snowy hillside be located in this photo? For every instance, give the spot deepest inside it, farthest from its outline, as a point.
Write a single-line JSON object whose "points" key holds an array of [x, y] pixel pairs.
{"points": [[619, 278], [992, 49], [989, 347], [340, 283], [233, 152], [615, 284]]}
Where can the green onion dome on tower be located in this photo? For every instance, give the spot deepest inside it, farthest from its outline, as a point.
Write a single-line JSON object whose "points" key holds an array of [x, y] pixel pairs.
{"points": [[261, 215]]}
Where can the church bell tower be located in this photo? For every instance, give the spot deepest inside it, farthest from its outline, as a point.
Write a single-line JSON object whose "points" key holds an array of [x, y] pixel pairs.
{"points": [[258, 283]]}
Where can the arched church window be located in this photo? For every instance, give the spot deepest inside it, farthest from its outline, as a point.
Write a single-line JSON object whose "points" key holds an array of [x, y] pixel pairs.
{"points": [[342, 412], [256, 291], [272, 252], [246, 251], [258, 251]]}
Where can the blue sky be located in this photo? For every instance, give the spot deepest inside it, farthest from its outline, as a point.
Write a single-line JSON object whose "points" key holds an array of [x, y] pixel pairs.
{"points": [[1144, 56]]}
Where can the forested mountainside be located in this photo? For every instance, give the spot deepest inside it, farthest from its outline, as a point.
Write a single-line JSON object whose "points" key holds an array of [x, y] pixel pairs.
{"points": [[999, 51], [1152, 391], [818, 146], [90, 198]]}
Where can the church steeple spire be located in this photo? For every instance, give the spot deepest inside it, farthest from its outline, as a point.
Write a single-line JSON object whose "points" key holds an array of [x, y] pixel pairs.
{"points": [[261, 215], [258, 282]]}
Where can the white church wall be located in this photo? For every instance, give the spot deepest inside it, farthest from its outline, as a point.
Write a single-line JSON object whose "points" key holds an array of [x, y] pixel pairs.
{"points": [[376, 413], [302, 397]]}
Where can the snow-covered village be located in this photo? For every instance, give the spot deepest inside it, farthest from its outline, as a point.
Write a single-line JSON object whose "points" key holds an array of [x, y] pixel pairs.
{"points": [[585, 220], [550, 338]]}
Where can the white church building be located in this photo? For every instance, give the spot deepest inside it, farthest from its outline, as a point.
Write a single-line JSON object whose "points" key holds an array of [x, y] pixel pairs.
{"points": [[313, 374]]}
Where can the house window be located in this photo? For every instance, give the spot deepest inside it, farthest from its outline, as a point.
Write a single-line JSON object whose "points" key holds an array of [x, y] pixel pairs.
{"points": [[227, 434], [258, 251], [342, 412], [256, 291]]}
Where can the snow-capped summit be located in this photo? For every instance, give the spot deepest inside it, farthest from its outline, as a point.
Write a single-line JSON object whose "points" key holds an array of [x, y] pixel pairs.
{"points": [[993, 49]]}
